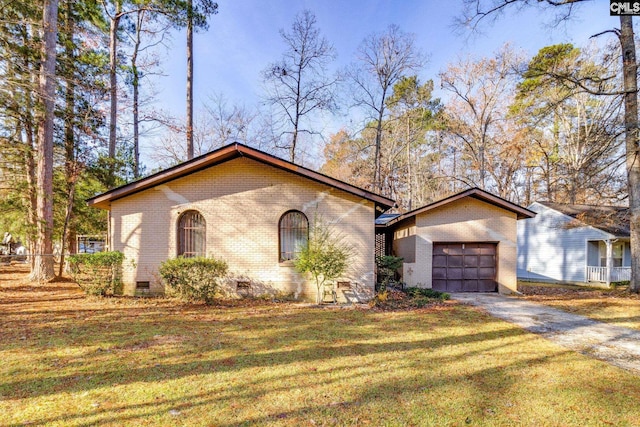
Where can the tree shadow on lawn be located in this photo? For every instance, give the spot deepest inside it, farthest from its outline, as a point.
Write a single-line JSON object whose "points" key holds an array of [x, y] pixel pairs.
{"points": [[257, 353], [378, 393], [207, 341]]}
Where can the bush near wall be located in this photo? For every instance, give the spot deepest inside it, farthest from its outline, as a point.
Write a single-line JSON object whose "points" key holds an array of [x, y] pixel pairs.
{"points": [[98, 273], [193, 279]]}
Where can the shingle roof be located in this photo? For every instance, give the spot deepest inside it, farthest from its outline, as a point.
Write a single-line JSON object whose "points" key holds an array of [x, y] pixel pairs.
{"points": [[610, 219], [226, 153]]}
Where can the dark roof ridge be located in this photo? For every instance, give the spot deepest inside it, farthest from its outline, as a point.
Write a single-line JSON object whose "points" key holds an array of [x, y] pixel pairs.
{"points": [[223, 154], [547, 203], [475, 192]]}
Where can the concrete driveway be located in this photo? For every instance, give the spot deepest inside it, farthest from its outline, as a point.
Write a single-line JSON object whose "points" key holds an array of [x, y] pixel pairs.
{"points": [[614, 344]]}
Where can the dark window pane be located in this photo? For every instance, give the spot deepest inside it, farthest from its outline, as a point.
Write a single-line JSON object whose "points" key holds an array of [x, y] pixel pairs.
{"points": [[191, 234], [294, 233]]}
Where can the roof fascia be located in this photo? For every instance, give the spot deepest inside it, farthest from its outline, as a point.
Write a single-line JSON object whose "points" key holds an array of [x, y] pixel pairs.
{"points": [[475, 193], [222, 155]]}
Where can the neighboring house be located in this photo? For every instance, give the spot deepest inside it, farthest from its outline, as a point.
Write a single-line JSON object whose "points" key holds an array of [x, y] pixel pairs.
{"points": [[574, 244], [463, 243], [246, 207]]}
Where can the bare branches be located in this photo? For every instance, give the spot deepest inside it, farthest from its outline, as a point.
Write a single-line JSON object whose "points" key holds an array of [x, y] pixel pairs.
{"points": [[383, 59], [298, 85], [478, 12]]}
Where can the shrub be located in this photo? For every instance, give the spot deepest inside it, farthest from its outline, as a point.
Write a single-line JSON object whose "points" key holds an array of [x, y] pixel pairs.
{"points": [[193, 279], [325, 256], [98, 273], [620, 284], [387, 266], [425, 293]]}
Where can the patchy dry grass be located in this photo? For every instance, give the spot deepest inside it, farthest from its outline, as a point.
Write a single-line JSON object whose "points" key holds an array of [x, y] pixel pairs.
{"points": [[68, 360], [617, 306]]}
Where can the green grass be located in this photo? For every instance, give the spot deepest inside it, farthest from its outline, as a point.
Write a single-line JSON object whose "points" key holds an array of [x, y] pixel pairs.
{"points": [[67, 360]]}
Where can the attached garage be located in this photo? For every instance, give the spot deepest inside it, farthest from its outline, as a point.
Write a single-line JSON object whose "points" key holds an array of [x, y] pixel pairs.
{"points": [[464, 243], [465, 267]]}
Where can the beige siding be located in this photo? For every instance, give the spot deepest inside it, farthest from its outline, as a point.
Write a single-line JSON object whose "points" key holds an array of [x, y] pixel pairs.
{"points": [[404, 241], [242, 201], [465, 220]]}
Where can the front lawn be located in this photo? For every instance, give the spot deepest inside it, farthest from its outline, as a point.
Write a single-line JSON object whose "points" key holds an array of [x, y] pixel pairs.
{"points": [[69, 360], [617, 306]]}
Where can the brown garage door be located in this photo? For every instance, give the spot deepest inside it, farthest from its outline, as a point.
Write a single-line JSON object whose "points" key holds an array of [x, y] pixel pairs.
{"points": [[464, 267]]}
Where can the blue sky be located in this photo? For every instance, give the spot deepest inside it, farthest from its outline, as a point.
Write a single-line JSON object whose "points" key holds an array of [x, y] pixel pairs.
{"points": [[243, 39]]}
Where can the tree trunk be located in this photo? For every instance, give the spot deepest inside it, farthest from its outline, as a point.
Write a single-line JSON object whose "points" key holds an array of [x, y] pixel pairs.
{"points": [[43, 261], [30, 162], [190, 81], [630, 80], [113, 81], [30, 149], [136, 97], [377, 173], [71, 165], [294, 142]]}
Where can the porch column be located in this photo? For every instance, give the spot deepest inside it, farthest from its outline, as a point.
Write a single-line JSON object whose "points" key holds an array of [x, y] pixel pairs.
{"points": [[609, 261]]}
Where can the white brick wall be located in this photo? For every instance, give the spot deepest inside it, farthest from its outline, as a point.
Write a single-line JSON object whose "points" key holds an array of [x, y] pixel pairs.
{"points": [[241, 201]]}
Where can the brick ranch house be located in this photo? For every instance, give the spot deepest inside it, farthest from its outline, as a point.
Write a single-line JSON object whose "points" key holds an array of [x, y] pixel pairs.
{"points": [[245, 207], [253, 210]]}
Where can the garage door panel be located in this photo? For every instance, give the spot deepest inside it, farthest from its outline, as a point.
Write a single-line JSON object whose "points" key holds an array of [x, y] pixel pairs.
{"points": [[439, 250], [487, 286], [454, 286], [464, 267], [439, 285], [439, 273], [486, 273], [454, 273], [454, 249], [472, 249], [455, 261], [487, 261], [470, 286], [488, 249], [470, 273], [470, 261], [439, 260]]}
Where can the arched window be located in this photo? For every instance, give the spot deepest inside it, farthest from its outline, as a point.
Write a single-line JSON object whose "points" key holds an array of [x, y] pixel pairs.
{"points": [[294, 234], [191, 234]]}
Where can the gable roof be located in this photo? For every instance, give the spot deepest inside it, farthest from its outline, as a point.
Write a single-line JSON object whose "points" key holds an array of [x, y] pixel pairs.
{"points": [[224, 154], [610, 219], [476, 193]]}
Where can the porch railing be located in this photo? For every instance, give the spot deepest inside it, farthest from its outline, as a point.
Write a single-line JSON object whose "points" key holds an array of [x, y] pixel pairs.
{"points": [[599, 274]]}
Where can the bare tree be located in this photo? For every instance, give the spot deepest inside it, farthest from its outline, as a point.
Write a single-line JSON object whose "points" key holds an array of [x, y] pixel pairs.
{"points": [[146, 33], [218, 123], [477, 11], [114, 23], [383, 59], [477, 117], [43, 263], [298, 85]]}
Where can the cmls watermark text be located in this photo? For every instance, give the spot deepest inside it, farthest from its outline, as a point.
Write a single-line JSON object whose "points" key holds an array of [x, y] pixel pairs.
{"points": [[617, 8]]}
